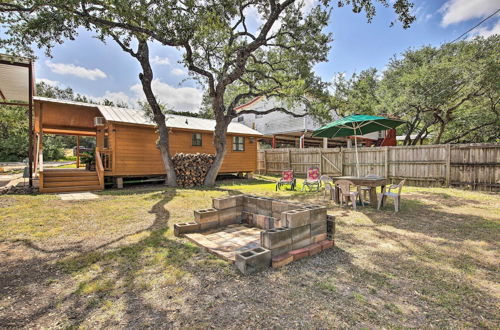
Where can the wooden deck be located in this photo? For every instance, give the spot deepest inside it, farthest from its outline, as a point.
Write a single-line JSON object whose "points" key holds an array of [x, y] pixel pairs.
{"points": [[69, 180]]}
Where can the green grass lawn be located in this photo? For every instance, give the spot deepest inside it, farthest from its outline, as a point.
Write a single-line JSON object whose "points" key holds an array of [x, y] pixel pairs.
{"points": [[114, 262]]}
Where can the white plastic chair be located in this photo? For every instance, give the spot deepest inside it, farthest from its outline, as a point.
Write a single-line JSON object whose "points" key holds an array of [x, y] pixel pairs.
{"points": [[395, 196], [328, 183], [346, 193]]}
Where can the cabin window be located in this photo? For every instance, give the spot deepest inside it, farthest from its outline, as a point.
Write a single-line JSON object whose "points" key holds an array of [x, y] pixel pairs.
{"points": [[238, 143], [196, 139]]}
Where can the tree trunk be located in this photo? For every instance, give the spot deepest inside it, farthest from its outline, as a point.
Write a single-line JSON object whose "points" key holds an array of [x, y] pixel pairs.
{"points": [[146, 78], [440, 133], [219, 142]]}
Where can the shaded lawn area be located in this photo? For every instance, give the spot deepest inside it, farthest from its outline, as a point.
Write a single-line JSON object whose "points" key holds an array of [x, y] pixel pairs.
{"points": [[114, 262]]}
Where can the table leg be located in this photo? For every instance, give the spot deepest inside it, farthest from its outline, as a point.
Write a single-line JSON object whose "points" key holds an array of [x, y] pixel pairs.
{"points": [[336, 194], [373, 197]]}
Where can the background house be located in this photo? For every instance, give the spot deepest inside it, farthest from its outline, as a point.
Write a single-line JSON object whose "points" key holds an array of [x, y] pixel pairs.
{"points": [[281, 130]]}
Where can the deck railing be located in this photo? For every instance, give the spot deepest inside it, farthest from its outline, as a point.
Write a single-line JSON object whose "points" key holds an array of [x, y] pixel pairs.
{"points": [[107, 159], [99, 167]]}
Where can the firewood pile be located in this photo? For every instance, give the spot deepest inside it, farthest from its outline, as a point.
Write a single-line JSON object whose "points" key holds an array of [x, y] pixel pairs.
{"points": [[191, 169]]}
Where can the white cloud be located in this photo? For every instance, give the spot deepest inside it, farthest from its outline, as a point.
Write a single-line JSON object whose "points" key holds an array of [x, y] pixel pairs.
{"points": [[79, 71], [48, 81], [160, 60], [177, 98], [178, 72], [485, 32], [455, 11], [117, 97]]}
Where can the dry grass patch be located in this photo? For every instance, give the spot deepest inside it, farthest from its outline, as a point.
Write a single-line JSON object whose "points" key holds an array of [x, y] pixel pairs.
{"points": [[114, 262]]}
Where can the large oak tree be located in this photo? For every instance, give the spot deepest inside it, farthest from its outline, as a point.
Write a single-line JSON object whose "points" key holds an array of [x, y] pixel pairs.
{"points": [[231, 57]]}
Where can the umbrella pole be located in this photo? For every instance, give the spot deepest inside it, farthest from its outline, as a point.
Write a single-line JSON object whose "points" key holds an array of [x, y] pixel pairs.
{"points": [[356, 148]]}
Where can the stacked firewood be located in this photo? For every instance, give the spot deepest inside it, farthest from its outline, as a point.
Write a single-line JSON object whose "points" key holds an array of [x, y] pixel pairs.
{"points": [[191, 169]]}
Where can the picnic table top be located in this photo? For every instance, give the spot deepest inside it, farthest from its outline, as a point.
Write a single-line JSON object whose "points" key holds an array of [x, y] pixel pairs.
{"points": [[380, 181]]}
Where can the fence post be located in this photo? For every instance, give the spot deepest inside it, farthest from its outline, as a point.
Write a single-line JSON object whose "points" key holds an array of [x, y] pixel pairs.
{"points": [[320, 161], [386, 162], [341, 161], [265, 161], [289, 159], [448, 164]]}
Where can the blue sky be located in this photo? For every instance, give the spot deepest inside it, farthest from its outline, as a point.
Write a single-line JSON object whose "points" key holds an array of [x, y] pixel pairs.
{"points": [[105, 71]]}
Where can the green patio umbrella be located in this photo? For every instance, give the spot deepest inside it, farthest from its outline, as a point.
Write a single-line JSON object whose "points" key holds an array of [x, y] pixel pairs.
{"points": [[356, 125]]}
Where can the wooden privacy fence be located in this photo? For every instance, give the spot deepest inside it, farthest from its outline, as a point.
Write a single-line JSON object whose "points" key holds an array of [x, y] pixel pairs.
{"points": [[476, 166]]}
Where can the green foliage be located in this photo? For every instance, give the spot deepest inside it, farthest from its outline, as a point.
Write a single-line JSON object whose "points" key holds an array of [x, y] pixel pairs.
{"points": [[13, 133], [449, 93], [87, 157]]}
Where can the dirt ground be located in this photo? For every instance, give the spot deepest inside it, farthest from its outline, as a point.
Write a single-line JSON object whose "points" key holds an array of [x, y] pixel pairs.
{"points": [[114, 263]]}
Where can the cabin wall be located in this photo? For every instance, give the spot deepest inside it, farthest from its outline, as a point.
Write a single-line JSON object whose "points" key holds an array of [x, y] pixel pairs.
{"points": [[135, 152]]}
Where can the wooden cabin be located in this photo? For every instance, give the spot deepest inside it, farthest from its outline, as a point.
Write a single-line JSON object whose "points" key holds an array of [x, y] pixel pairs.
{"points": [[126, 143]]}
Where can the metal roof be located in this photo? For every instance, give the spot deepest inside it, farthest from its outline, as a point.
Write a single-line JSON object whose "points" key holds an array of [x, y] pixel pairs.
{"points": [[14, 78], [134, 116]]}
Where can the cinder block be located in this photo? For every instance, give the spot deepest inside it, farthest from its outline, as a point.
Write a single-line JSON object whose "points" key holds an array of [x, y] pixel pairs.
{"points": [[314, 248], [280, 250], [230, 216], [282, 206], [302, 243], [299, 253], [186, 228], [330, 227], [300, 233], [263, 221], [282, 260], [227, 202], [279, 223], [275, 238], [317, 212], [206, 215], [246, 217], [250, 204], [253, 260], [318, 227], [301, 237], [326, 244], [209, 225], [318, 238], [297, 218], [264, 205]]}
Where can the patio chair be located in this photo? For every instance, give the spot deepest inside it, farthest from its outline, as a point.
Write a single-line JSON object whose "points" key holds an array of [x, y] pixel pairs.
{"points": [[328, 183], [287, 179], [346, 193], [365, 190], [396, 196], [312, 179]]}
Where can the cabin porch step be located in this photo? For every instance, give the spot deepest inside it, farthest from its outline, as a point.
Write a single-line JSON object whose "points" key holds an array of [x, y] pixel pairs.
{"points": [[71, 184], [69, 178], [68, 173], [71, 189]]}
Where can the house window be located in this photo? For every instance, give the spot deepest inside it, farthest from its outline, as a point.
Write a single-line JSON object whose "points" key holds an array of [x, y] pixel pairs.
{"points": [[196, 139], [240, 119], [238, 143], [259, 116]]}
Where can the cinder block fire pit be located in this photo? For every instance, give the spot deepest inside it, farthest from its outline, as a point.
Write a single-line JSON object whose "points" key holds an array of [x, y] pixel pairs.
{"points": [[258, 232]]}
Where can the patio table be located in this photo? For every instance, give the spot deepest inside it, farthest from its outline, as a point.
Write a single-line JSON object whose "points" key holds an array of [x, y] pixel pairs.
{"points": [[373, 183]]}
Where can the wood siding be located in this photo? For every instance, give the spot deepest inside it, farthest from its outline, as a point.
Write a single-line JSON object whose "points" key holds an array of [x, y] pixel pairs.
{"points": [[135, 152]]}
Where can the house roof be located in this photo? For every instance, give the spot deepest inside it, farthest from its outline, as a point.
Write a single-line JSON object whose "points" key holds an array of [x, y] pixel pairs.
{"points": [[134, 116]]}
